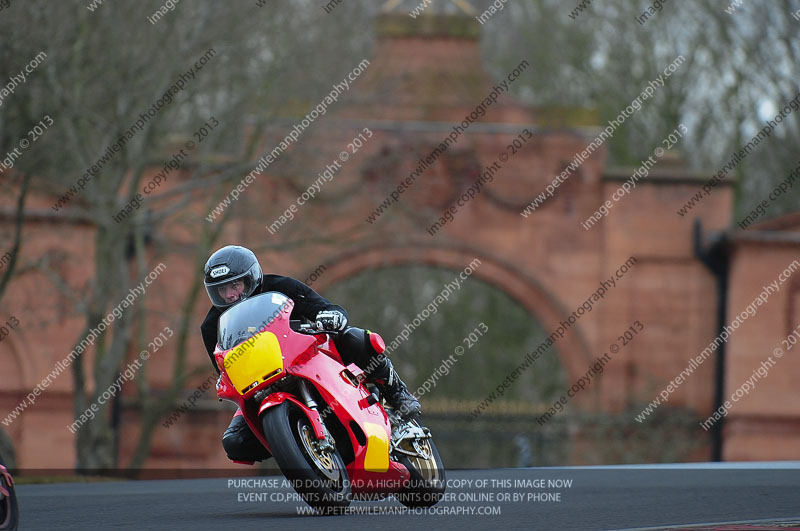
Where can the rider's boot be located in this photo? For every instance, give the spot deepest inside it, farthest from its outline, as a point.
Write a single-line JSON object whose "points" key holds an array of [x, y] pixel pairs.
{"points": [[395, 391]]}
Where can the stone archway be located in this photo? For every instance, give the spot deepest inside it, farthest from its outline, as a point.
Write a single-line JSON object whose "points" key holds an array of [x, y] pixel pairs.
{"points": [[528, 291]]}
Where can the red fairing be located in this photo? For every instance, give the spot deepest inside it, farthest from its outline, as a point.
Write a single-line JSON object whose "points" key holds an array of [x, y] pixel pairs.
{"points": [[314, 359], [226, 391]]}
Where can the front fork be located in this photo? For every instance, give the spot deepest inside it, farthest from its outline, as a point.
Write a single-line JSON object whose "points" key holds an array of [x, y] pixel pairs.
{"points": [[326, 444]]}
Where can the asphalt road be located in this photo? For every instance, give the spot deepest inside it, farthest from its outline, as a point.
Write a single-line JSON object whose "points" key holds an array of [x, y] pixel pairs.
{"points": [[592, 498]]}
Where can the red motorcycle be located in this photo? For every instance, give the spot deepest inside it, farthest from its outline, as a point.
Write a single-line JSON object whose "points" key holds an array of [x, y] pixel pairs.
{"points": [[9, 512], [331, 435]]}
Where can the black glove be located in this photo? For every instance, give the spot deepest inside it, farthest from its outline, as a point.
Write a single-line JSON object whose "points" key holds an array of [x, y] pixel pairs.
{"points": [[331, 320]]}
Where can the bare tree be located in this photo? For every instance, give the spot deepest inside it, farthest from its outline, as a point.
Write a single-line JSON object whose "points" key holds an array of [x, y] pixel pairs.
{"points": [[740, 69], [124, 94]]}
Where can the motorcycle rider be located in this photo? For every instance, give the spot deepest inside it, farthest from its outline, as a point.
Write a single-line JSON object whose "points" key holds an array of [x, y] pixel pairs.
{"points": [[231, 275]]}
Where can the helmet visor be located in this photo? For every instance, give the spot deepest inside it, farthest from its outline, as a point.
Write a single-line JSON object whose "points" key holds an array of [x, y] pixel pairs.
{"points": [[231, 290]]}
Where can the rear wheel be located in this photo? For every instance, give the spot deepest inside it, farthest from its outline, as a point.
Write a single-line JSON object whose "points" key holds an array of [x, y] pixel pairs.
{"points": [[427, 483], [318, 474], [9, 511]]}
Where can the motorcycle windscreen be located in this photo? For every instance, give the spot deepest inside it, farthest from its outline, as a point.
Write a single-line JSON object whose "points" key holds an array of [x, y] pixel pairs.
{"points": [[248, 330], [254, 361], [267, 311]]}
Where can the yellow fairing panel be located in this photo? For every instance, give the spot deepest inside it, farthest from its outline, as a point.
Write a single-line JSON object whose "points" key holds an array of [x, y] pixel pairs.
{"points": [[377, 458], [253, 360]]}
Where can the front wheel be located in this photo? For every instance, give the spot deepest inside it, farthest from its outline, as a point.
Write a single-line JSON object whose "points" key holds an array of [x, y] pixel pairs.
{"points": [[9, 511], [427, 482], [318, 475]]}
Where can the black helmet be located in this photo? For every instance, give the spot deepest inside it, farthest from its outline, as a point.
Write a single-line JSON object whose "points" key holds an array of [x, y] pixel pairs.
{"points": [[227, 271]]}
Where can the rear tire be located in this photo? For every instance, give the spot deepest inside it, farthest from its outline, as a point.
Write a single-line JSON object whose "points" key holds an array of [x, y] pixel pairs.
{"points": [[319, 476], [428, 482]]}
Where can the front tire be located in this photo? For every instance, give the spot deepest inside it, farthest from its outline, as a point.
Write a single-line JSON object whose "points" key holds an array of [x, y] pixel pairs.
{"points": [[428, 482], [319, 476]]}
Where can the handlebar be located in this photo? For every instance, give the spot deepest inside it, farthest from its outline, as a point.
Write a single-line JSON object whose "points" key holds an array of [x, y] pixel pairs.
{"points": [[310, 328]]}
